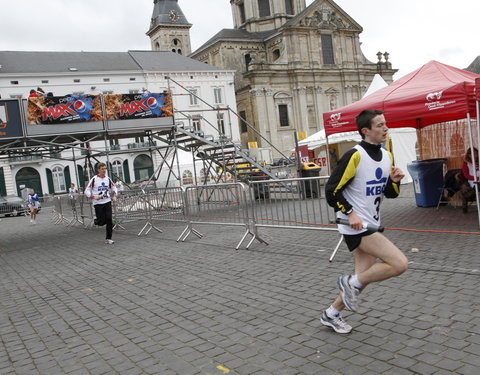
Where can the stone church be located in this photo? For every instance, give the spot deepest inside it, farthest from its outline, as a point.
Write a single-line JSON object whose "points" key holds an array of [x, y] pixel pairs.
{"points": [[292, 62]]}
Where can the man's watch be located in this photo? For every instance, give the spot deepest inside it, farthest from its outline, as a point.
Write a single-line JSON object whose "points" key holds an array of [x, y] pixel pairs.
{"points": [[349, 211]]}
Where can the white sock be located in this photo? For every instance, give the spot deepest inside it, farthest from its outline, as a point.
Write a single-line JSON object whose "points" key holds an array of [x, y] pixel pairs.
{"points": [[355, 283], [332, 312]]}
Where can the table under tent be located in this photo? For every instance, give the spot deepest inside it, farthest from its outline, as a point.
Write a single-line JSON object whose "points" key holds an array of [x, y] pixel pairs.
{"points": [[436, 99]]}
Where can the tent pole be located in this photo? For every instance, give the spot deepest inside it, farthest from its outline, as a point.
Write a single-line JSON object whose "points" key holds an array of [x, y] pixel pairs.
{"points": [[327, 152], [474, 162]]}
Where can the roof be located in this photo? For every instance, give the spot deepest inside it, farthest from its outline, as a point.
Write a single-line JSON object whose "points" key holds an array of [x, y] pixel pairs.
{"points": [[236, 35], [167, 61], [21, 62], [474, 67], [56, 62]]}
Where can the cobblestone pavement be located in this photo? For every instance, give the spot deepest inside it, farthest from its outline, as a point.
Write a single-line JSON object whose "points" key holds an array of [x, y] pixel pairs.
{"points": [[147, 305]]}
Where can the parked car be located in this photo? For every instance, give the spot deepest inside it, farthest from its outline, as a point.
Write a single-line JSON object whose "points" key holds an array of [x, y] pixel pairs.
{"points": [[12, 206]]}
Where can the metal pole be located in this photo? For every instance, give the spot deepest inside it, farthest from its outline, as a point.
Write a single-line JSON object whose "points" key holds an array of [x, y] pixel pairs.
{"points": [[474, 163]]}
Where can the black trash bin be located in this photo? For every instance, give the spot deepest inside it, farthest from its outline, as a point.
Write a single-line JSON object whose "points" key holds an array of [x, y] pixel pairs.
{"points": [[427, 181], [311, 187]]}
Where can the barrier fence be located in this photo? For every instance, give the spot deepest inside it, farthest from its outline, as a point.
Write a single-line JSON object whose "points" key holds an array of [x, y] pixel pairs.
{"points": [[296, 203]]}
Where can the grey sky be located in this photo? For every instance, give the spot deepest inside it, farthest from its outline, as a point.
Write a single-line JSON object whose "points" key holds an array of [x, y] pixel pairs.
{"points": [[412, 31]]}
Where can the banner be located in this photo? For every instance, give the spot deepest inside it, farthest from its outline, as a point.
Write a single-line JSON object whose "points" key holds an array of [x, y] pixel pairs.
{"points": [[64, 109], [10, 119], [137, 106]]}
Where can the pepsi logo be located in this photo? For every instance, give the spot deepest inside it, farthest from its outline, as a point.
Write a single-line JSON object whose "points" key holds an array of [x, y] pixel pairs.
{"points": [[79, 106], [152, 102], [434, 96], [335, 116]]}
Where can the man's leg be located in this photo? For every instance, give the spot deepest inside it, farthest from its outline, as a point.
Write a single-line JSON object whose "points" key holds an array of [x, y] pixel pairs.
{"points": [[394, 262], [100, 214], [363, 262], [108, 220]]}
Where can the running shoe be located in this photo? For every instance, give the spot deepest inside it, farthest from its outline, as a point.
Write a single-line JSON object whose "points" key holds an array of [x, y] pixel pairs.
{"points": [[348, 292], [337, 323], [109, 242]]}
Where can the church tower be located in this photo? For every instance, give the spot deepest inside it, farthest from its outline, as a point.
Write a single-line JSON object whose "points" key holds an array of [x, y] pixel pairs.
{"points": [[169, 28], [264, 15]]}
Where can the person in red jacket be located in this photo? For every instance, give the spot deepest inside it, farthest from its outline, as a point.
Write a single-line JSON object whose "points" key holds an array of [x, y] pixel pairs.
{"points": [[469, 174]]}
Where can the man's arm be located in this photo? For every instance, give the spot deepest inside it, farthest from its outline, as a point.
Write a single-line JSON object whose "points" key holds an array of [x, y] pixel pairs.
{"points": [[339, 180]]}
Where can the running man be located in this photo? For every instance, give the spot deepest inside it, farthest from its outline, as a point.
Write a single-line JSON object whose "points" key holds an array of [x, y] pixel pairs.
{"points": [[98, 189], [363, 176]]}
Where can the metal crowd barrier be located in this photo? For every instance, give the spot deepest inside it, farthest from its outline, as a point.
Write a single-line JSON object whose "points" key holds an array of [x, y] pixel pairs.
{"points": [[219, 205], [296, 203]]}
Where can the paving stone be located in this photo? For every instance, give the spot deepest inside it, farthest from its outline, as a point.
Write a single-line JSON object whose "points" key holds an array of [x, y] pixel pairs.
{"points": [[71, 309]]}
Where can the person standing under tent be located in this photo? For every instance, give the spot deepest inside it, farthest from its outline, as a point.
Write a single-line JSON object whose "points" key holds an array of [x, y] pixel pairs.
{"points": [[363, 176], [98, 189]]}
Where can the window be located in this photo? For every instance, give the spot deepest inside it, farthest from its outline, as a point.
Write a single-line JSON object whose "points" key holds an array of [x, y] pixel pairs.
{"points": [[16, 96], [106, 92], [106, 80], [117, 170], [248, 60], [217, 92], [289, 6], [79, 92], [196, 123], [44, 80], [327, 49], [14, 82], [241, 9], [58, 180], [283, 114], [133, 91], [276, 54], [187, 177], [76, 80], [264, 8], [204, 175], [193, 96], [243, 122], [221, 123], [133, 79]]}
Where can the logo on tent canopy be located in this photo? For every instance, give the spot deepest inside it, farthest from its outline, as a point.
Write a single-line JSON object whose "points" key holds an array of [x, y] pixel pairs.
{"points": [[335, 116], [434, 96]]}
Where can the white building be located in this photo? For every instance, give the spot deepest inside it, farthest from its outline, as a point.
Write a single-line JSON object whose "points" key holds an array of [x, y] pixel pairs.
{"points": [[63, 73]]}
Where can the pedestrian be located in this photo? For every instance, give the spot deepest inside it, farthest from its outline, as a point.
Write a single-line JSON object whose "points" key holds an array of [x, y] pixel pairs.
{"points": [[363, 176], [72, 191], [33, 205], [102, 191]]}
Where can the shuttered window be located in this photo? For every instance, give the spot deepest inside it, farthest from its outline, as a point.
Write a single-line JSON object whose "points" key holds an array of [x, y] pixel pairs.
{"points": [[327, 49], [264, 8]]}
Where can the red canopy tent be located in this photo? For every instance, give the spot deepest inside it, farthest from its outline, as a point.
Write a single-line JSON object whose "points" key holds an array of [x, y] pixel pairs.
{"points": [[432, 94]]}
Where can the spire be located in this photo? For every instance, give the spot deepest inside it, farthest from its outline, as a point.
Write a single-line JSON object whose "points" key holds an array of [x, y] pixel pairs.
{"points": [[169, 28], [167, 12]]}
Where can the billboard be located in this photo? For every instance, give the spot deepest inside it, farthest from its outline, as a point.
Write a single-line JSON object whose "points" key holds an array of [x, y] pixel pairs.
{"points": [[45, 110], [10, 119], [138, 111], [69, 114]]}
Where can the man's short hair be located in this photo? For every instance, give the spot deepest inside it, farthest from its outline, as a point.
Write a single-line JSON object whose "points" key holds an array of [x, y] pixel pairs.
{"points": [[364, 119], [100, 165]]}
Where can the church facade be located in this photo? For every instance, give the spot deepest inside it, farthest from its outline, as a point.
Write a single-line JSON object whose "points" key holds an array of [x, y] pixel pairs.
{"points": [[292, 63]]}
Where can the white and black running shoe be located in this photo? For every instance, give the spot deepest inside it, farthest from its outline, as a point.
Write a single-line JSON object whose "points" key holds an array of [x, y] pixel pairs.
{"points": [[348, 292], [336, 323]]}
